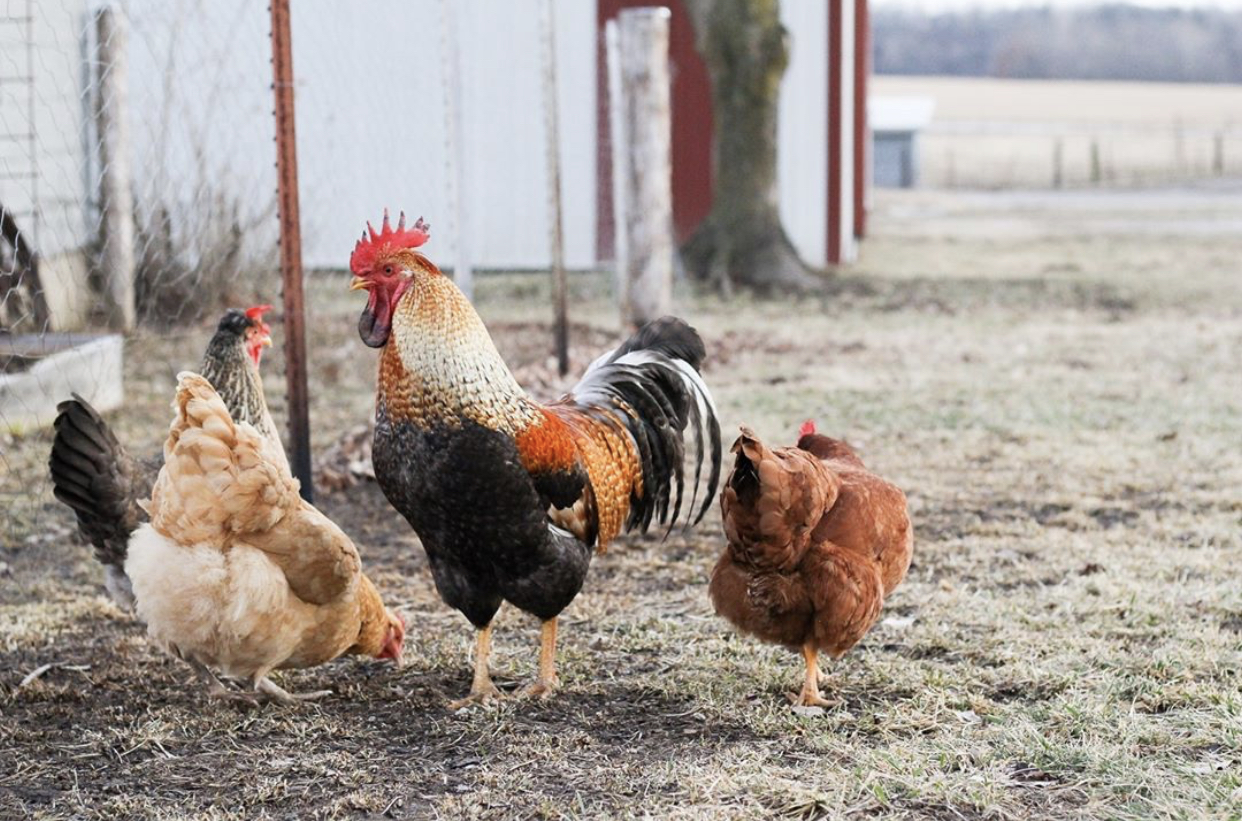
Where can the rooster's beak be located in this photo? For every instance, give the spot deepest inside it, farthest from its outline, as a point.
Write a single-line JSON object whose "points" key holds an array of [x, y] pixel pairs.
{"points": [[359, 284]]}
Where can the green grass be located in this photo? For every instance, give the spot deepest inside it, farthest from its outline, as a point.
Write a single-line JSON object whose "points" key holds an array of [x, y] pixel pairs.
{"points": [[1062, 407]]}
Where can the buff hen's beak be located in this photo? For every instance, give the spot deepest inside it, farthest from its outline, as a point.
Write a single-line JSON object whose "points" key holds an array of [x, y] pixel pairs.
{"points": [[360, 284]]}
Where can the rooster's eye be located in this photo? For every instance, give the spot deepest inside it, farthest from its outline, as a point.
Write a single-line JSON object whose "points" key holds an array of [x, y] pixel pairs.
{"points": [[388, 270]]}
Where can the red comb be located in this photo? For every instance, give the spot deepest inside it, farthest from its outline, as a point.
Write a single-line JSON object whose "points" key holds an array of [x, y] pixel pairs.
{"points": [[257, 311], [808, 428], [386, 239]]}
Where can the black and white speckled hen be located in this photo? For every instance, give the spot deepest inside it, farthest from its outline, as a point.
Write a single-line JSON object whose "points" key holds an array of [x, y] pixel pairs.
{"points": [[94, 475]]}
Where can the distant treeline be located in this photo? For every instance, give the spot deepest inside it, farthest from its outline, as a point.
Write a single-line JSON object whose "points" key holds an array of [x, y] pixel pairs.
{"points": [[1109, 42]]}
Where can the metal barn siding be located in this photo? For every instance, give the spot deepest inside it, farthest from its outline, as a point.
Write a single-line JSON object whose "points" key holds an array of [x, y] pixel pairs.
{"points": [[802, 130]]}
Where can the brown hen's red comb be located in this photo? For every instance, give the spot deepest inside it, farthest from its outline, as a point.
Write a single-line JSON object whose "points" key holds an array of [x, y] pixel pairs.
{"points": [[808, 428], [386, 239]]}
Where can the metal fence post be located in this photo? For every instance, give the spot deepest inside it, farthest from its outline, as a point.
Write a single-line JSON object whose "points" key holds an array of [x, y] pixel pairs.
{"points": [[560, 287], [291, 246]]}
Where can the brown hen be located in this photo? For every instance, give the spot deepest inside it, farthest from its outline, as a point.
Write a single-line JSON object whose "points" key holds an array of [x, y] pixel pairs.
{"points": [[815, 544]]}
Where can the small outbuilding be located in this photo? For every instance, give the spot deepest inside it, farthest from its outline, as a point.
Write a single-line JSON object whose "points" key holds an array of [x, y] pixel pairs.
{"points": [[896, 123]]}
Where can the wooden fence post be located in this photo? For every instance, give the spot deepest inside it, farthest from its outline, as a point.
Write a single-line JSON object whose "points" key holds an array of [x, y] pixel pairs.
{"points": [[116, 224], [648, 168]]}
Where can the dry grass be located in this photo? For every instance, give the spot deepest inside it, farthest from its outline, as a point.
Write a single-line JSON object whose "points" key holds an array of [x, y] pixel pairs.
{"points": [[1057, 389]]}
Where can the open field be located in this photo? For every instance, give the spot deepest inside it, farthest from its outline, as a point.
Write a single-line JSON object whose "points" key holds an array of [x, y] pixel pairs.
{"points": [[1006, 133], [1055, 381]]}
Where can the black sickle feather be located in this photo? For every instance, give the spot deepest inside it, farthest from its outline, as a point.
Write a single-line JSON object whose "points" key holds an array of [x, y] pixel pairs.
{"points": [[658, 399]]}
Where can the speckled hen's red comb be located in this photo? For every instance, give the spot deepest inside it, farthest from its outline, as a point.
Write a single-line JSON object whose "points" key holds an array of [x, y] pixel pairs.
{"points": [[368, 248], [257, 311], [808, 427]]}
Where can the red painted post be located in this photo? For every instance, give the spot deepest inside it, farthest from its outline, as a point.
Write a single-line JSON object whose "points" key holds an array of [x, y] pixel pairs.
{"points": [[291, 246], [835, 131], [862, 146]]}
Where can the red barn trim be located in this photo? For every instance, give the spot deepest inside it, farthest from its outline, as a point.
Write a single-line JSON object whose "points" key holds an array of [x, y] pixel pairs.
{"points": [[834, 251], [862, 145]]}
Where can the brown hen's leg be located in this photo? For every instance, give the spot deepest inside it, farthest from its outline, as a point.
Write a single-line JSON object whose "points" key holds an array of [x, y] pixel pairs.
{"points": [[547, 682], [810, 695], [482, 690]]}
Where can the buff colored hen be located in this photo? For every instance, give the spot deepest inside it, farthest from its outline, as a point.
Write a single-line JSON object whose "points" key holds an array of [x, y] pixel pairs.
{"points": [[236, 574]]}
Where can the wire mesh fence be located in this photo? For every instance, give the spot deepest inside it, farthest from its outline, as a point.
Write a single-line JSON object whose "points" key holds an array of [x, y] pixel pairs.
{"points": [[137, 152]]}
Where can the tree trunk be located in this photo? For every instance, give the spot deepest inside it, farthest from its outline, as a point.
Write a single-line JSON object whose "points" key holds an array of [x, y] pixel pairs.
{"points": [[742, 241]]}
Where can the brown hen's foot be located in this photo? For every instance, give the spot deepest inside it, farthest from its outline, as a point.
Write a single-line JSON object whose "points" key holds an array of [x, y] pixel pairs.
{"points": [[813, 698], [810, 695], [547, 681], [482, 691], [271, 691]]}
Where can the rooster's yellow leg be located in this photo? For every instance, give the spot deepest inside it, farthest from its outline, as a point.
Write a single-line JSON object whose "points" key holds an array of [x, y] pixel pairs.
{"points": [[547, 682], [810, 695], [481, 688]]}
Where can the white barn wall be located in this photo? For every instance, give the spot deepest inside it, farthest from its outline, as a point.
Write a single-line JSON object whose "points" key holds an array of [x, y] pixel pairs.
{"points": [[371, 119], [371, 127], [802, 129]]}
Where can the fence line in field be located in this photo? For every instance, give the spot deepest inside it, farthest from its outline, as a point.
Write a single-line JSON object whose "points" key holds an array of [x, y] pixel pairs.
{"points": [[997, 155]]}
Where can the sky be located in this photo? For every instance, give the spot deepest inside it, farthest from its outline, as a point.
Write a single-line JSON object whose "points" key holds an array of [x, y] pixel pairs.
{"points": [[949, 5]]}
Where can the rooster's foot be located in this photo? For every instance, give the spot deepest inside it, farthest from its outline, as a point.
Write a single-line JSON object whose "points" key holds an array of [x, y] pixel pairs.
{"points": [[540, 688], [480, 696]]}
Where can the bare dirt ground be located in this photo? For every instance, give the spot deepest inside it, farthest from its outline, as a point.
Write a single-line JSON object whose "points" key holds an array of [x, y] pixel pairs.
{"points": [[1055, 382]]}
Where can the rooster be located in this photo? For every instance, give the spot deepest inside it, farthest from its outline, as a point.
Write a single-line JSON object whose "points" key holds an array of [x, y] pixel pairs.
{"points": [[95, 476], [235, 572], [816, 543], [510, 497]]}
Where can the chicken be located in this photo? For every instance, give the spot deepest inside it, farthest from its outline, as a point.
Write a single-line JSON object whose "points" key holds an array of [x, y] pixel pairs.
{"points": [[509, 497], [816, 542], [235, 572], [95, 476]]}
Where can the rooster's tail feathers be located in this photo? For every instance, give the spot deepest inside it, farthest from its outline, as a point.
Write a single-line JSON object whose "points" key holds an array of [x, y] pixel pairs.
{"points": [[653, 380]]}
